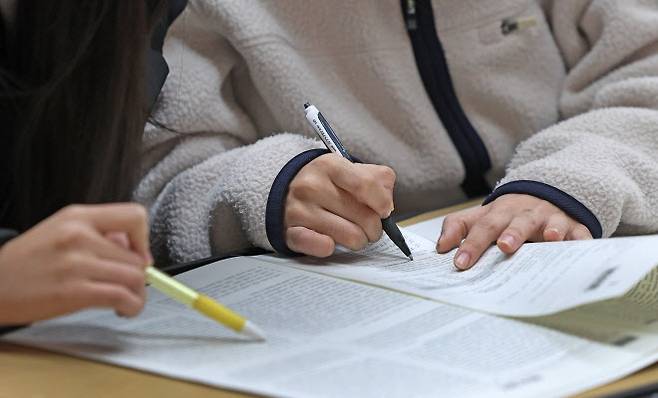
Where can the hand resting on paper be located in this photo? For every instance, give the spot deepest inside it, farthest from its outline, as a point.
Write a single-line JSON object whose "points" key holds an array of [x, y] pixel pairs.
{"points": [[334, 201], [71, 261], [509, 221]]}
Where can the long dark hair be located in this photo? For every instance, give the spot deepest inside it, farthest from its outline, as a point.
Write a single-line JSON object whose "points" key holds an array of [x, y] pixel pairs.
{"points": [[72, 104]]}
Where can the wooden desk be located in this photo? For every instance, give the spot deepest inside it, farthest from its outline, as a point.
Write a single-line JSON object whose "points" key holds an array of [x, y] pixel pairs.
{"points": [[29, 372]]}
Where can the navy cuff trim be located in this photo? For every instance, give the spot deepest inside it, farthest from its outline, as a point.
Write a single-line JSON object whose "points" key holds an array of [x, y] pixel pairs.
{"points": [[563, 200], [277, 198]]}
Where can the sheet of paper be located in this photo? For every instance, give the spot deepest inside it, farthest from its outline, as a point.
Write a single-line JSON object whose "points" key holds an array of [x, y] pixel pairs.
{"points": [[613, 321], [430, 229], [540, 279], [328, 337]]}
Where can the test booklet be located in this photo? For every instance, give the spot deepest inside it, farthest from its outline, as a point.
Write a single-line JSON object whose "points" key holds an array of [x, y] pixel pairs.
{"points": [[554, 319]]}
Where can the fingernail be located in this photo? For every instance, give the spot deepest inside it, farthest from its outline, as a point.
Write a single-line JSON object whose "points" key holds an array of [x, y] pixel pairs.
{"points": [[507, 240], [462, 259]]}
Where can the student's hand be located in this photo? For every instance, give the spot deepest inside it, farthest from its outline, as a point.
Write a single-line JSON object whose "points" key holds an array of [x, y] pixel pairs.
{"points": [[75, 260], [333, 201], [509, 221]]}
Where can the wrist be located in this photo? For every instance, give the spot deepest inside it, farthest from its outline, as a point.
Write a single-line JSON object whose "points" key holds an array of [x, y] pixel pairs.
{"points": [[274, 213]]}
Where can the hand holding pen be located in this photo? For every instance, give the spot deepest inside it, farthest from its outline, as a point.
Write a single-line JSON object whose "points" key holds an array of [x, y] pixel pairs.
{"points": [[334, 201]]}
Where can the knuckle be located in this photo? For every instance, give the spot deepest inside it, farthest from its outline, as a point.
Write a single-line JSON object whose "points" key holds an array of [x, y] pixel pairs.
{"points": [[368, 190], [326, 163], [476, 246], [455, 223], [383, 207], [138, 212], [547, 207], [295, 186], [558, 219], [386, 174], [74, 211], [532, 221], [512, 231], [295, 215], [488, 224], [471, 246], [527, 211], [304, 187], [450, 220], [390, 173], [355, 240], [69, 266], [326, 160], [71, 235]]}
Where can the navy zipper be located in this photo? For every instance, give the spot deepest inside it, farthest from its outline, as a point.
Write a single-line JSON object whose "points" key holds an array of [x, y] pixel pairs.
{"points": [[433, 69]]}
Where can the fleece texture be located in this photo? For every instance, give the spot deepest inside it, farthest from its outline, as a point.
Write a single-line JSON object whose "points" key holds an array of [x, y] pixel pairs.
{"points": [[570, 102]]}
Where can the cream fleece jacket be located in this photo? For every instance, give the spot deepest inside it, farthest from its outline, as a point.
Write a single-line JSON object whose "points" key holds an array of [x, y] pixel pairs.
{"points": [[565, 109]]}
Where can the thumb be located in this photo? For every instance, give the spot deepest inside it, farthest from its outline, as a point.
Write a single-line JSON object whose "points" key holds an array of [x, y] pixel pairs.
{"points": [[119, 238]]}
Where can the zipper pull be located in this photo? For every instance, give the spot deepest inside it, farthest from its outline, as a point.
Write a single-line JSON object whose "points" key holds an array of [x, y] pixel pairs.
{"points": [[410, 13], [510, 25]]}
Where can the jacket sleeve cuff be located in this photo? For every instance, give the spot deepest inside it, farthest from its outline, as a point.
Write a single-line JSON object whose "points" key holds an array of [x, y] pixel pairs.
{"points": [[567, 203], [277, 198]]}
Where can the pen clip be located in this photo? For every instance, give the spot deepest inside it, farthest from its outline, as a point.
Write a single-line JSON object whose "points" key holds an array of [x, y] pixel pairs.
{"points": [[334, 138]]}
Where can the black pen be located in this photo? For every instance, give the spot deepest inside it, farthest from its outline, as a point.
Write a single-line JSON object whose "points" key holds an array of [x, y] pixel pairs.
{"points": [[330, 139]]}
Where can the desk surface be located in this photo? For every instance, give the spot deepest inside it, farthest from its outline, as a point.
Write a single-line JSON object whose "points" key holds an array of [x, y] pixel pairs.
{"points": [[29, 372]]}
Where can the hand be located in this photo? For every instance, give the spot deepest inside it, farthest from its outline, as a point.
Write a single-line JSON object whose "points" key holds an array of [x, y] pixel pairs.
{"points": [[509, 221], [334, 201], [72, 261]]}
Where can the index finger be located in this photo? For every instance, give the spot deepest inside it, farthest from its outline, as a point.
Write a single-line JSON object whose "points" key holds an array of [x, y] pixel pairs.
{"points": [[371, 185], [456, 226], [129, 218]]}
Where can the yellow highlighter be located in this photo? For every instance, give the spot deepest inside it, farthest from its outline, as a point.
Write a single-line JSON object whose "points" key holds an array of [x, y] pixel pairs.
{"points": [[202, 303]]}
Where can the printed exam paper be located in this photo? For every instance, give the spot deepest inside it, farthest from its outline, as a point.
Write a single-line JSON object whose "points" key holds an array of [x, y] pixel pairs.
{"points": [[329, 337], [540, 279]]}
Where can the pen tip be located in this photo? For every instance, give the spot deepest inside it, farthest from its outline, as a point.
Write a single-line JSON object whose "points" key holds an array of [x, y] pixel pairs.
{"points": [[411, 257], [306, 105], [251, 330]]}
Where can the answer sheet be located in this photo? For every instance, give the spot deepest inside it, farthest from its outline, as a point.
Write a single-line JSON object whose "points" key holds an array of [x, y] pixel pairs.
{"points": [[540, 279], [329, 337]]}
